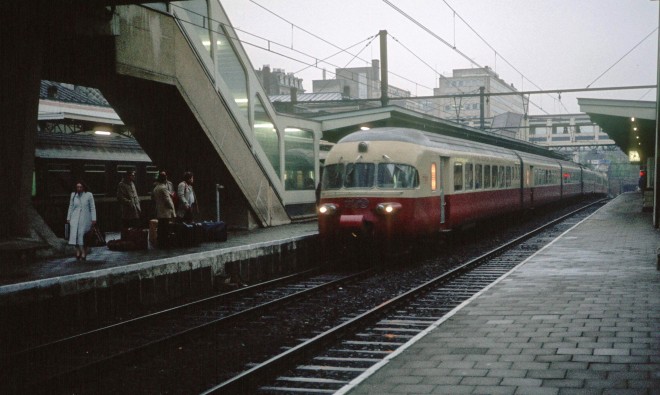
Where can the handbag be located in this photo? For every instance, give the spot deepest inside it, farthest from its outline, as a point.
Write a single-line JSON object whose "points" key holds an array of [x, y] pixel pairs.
{"points": [[94, 237]]}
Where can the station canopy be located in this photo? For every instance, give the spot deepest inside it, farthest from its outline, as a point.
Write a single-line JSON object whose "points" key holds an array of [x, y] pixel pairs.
{"points": [[630, 123]]}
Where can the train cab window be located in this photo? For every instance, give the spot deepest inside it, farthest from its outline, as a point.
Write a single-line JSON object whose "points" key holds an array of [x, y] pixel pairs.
{"points": [[469, 176], [458, 176], [59, 180], [94, 176], [397, 176], [508, 176], [332, 176], [486, 176], [477, 176], [359, 175]]}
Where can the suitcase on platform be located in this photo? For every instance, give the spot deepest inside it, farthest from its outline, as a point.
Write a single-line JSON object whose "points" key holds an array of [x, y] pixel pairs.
{"points": [[182, 234], [138, 236], [214, 231]]}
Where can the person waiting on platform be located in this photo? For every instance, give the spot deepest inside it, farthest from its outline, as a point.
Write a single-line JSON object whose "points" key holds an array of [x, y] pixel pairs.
{"points": [[164, 209], [170, 188], [80, 217], [129, 201], [187, 199]]}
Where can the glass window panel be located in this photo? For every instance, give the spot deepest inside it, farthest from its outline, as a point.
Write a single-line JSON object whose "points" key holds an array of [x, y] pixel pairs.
{"points": [[397, 176], [266, 135], [496, 177], [458, 176], [508, 176], [501, 178], [151, 175], [359, 175], [59, 180], [194, 16], [299, 160], [332, 176], [231, 70], [477, 176], [469, 176], [94, 177], [486, 176]]}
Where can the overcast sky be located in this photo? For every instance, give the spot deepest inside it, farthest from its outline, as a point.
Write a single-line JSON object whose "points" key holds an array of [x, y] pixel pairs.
{"points": [[534, 44]]}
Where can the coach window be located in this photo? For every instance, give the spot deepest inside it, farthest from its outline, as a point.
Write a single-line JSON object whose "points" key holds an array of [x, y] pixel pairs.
{"points": [[59, 180], [95, 179], [458, 176], [469, 176], [486, 176], [502, 177], [508, 176], [148, 182], [477, 176], [496, 176]]}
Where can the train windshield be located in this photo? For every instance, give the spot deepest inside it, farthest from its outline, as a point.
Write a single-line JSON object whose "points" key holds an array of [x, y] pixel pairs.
{"points": [[363, 175], [333, 176], [397, 176], [359, 175]]}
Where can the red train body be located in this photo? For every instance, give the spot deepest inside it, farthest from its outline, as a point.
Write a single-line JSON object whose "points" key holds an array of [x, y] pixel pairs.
{"points": [[392, 184]]}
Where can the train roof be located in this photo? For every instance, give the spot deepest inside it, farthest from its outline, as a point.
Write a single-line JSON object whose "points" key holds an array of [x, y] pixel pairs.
{"points": [[421, 138], [440, 141], [88, 147]]}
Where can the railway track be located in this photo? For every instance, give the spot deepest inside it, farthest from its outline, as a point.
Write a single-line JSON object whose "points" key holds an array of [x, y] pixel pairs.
{"points": [[329, 361], [192, 348], [53, 365]]}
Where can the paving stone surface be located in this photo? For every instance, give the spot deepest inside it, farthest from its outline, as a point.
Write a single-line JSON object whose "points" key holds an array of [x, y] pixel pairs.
{"points": [[580, 317]]}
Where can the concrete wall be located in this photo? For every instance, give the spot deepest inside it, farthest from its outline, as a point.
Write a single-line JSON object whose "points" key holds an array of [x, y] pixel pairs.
{"points": [[116, 292]]}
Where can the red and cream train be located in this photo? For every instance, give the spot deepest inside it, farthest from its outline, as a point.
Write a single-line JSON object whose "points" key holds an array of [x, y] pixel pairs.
{"points": [[397, 183]]}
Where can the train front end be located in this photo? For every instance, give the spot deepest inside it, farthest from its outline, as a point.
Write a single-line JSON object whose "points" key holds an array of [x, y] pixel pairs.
{"points": [[368, 194]]}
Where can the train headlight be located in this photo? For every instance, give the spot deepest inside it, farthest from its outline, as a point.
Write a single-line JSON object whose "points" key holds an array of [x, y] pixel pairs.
{"points": [[327, 209], [388, 208]]}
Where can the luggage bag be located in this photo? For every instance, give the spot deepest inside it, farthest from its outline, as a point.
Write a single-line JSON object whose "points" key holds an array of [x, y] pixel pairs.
{"points": [[214, 231], [138, 236], [182, 234]]}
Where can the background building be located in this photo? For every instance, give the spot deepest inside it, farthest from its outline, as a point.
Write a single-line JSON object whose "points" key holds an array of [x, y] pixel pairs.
{"points": [[467, 109]]}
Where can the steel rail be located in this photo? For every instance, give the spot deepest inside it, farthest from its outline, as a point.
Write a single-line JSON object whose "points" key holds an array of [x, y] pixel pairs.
{"points": [[248, 381], [148, 348]]}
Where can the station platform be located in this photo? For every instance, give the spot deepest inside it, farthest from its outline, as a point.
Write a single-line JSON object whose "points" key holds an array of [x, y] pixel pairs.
{"points": [[254, 255], [581, 316]]}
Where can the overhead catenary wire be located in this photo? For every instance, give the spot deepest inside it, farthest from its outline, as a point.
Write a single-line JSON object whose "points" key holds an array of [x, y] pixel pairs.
{"points": [[329, 43], [621, 58], [453, 47]]}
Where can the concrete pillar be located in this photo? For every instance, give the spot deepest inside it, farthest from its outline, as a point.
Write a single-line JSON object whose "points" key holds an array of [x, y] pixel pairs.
{"points": [[20, 75]]}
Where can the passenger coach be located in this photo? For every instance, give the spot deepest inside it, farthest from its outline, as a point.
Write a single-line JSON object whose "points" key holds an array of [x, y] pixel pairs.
{"points": [[394, 183]]}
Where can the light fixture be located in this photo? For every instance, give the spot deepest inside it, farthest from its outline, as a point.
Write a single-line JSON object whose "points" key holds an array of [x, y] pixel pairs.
{"points": [[635, 128], [632, 119], [102, 132], [364, 128]]}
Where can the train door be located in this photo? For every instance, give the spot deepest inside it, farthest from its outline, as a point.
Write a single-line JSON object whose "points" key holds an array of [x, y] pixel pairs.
{"points": [[444, 165], [532, 183]]}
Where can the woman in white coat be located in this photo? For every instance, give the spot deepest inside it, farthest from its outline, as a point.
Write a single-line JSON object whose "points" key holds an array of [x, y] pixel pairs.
{"points": [[81, 217]]}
